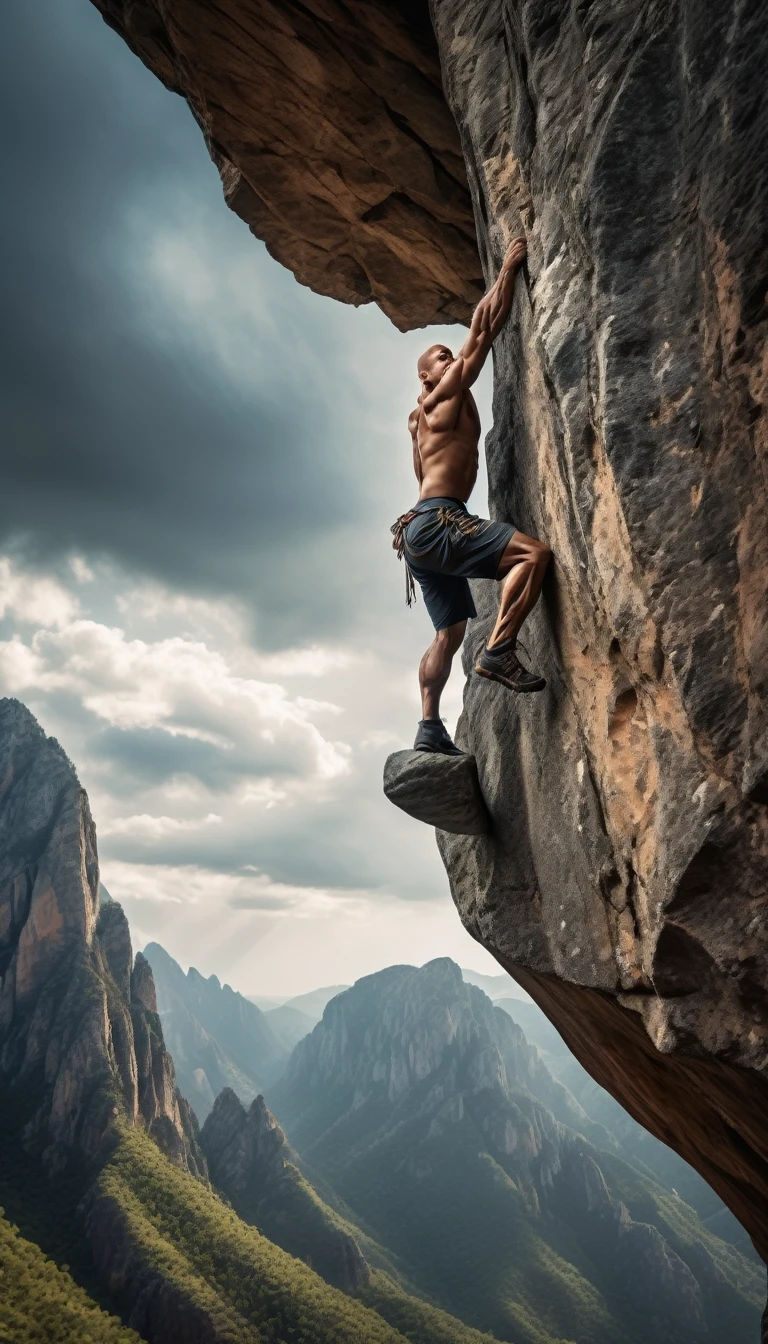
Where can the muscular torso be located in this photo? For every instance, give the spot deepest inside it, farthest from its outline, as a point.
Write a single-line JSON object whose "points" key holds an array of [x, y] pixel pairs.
{"points": [[446, 460]]}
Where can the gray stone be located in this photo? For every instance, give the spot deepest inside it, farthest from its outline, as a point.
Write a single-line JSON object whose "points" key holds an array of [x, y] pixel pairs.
{"points": [[443, 791]]}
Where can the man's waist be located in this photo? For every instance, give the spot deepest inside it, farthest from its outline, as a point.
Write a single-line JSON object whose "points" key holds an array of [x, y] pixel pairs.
{"points": [[438, 502]]}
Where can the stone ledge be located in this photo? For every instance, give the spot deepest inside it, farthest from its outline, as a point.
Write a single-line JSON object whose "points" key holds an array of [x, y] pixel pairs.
{"points": [[443, 791]]}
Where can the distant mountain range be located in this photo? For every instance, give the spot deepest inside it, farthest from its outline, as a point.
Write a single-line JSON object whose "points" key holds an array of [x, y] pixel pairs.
{"points": [[218, 1039], [416, 1175], [110, 1228], [424, 1108]]}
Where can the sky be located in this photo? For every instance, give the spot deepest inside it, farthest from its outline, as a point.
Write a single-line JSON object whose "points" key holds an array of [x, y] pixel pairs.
{"points": [[198, 598]]}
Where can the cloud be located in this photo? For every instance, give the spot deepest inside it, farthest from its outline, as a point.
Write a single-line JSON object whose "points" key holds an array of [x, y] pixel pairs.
{"points": [[179, 687], [196, 755], [172, 398], [201, 460]]}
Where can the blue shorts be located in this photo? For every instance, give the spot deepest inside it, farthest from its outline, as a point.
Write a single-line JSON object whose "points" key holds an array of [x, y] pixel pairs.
{"points": [[445, 545]]}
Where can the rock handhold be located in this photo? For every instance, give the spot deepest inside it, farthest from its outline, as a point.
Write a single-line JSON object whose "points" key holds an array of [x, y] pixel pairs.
{"points": [[443, 791]]}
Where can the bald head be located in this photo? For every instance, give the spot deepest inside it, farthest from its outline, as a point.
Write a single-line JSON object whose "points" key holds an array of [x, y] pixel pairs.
{"points": [[426, 360], [433, 364]]}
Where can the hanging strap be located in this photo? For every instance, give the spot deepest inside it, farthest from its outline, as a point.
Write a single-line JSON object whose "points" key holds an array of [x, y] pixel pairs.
{"points": [[398, 545]]}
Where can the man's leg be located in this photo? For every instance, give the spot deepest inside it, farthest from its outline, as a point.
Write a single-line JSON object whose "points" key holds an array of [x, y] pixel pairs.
{"points": [[522, 567], [435, 667], [434, 671]]}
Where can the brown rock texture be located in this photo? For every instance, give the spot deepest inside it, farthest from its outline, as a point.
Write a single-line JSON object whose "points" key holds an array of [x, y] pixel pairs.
{"points": [[80, 1039], [331, 134]]}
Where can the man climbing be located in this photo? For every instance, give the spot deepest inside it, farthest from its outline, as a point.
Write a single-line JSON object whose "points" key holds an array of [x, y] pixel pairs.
{"points": [[443, 544]]}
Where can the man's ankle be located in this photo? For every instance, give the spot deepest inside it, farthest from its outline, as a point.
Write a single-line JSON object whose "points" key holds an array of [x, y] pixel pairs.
{"points": [[501, 645]]}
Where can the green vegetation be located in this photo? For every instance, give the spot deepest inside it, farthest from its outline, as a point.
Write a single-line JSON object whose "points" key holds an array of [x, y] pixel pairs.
{"points": [[220, 1266], [41, 1303], [740, 1281]]}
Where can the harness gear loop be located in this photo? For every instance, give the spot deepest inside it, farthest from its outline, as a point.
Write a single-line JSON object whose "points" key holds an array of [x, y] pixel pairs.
{"points": [[398, 545], [457, 521]]}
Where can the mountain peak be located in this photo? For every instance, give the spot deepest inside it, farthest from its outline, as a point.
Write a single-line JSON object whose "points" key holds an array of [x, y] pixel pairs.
{"points": [[69, 993]]}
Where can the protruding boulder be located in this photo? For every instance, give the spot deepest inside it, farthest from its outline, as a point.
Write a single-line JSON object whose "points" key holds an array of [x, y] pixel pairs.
{"points": [[443, 791]]}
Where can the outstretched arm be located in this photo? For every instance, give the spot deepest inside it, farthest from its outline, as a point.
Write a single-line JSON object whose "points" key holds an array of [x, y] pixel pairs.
{"points": [[491, 313], [487, 321]]}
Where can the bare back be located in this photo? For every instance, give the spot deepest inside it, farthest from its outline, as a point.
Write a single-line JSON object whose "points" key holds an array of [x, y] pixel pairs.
{"points": [[445, 456]]}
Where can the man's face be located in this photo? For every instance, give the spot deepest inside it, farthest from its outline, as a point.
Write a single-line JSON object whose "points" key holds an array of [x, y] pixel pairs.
{"points": [[439, 360]]}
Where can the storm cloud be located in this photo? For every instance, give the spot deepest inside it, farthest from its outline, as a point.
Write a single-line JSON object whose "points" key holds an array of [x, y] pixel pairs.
{"points": [[198, 596], [170, 396]]}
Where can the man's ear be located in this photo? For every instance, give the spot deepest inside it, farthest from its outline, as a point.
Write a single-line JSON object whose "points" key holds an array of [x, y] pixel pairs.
{"points": [[423, 375]]}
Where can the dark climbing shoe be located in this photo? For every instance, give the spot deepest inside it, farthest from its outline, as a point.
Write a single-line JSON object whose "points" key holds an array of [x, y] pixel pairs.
{"points": [[502, 664], [433, 736]]}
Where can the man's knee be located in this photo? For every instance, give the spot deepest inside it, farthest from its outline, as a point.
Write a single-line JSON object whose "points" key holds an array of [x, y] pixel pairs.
{"points": [[450, 639]]}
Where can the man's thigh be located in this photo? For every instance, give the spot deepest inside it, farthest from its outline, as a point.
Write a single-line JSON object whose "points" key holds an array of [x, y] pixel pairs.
{"points": [[448, 599]]}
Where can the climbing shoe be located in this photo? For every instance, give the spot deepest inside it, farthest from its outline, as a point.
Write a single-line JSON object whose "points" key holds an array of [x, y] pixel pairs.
{"points": [[502, 664], [433, 736]]}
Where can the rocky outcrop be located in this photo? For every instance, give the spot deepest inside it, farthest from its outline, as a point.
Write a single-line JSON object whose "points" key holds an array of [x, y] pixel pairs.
{"points": [[331, 134], [80, 1039], [251, 1163], [624, 885], [443, 791], [676, 1302]]}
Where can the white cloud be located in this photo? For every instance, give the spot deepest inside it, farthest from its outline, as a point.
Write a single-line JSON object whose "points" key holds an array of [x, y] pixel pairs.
{"points": [[82, 572], [33, 599], [179, 685], [146, 827]]}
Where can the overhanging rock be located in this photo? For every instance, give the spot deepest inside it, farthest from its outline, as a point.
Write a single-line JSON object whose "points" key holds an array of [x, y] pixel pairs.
{"points": [[442, 791]]}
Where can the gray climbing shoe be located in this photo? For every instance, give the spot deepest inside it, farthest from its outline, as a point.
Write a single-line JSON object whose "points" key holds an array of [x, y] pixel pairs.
{"points": [[503, 665], [433, 736]]}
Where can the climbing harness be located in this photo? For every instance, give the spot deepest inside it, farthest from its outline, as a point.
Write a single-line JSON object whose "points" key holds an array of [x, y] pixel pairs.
{"points": [[398, 545], [459, 524]]}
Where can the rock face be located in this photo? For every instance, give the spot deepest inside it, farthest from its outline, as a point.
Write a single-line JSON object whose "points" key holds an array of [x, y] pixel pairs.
{"points": [[80, 1039], [251, 1163], [420, 1102], [332, 137], [217, 1037], [624, 885], [441, 790]]}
